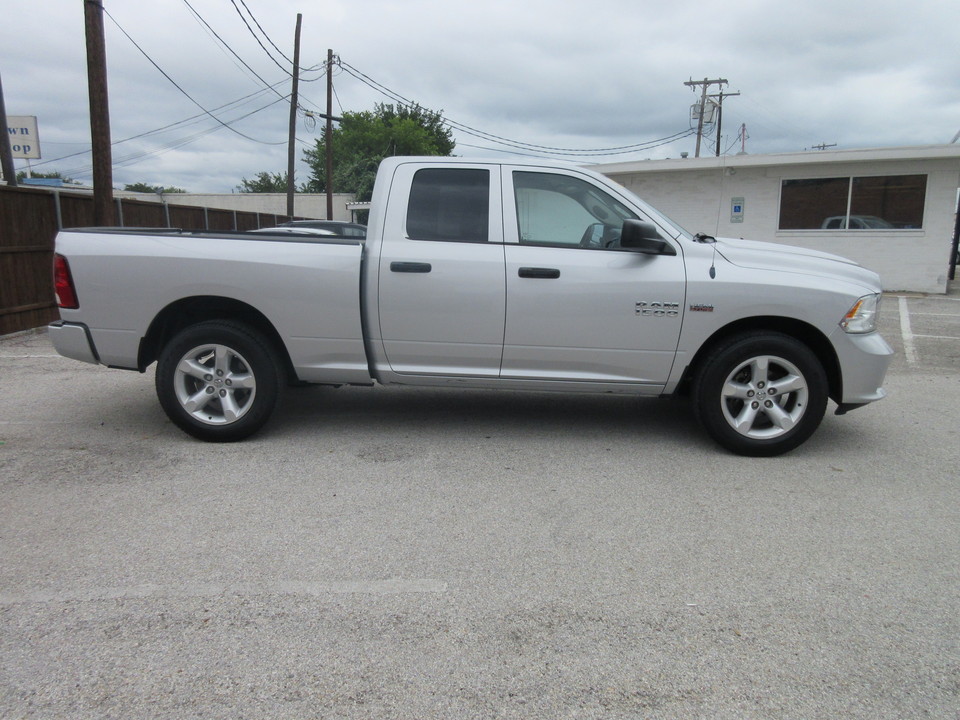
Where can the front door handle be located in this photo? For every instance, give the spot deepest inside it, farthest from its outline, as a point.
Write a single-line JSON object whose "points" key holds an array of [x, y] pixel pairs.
{"points": [[538, 272], [410, 267]]}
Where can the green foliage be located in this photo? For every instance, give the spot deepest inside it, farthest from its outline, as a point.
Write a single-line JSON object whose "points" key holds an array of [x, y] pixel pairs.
{"points": [[363, 139], [265, 182], [145, 188], [55, 175]]}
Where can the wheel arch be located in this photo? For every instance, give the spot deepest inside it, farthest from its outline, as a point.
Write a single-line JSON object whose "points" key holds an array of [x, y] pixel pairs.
{"points": [[189, 311], [804, 332]]}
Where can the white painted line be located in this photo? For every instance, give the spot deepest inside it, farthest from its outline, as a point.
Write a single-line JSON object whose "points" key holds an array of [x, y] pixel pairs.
{"points": [[953, 315], [927, 297], [909, 349], [939, 337], [281, 587]]}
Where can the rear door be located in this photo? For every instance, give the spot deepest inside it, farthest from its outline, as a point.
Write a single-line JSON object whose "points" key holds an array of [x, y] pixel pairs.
{"points": [[442, 292]]}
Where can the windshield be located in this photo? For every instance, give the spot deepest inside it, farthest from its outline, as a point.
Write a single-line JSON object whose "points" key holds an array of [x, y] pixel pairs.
{"points": [[657, 215]]}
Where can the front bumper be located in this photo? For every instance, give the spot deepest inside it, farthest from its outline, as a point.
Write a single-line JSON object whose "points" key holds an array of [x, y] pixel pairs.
{"points": [[864, 360], [73, 340]]}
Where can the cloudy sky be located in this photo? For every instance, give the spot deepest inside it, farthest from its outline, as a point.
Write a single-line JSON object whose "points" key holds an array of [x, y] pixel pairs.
{"points": [[516, 76]]}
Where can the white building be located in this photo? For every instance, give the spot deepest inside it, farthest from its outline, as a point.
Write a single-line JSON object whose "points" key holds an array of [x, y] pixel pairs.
{"points": [[892, 210]]}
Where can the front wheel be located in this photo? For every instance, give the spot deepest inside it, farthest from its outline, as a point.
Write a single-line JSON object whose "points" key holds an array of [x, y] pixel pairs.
{"points": [[218, 381], [760, 394]]}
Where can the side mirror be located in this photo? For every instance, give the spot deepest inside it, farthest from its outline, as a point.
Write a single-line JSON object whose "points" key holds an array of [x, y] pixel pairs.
{"points": [[642, 237]]}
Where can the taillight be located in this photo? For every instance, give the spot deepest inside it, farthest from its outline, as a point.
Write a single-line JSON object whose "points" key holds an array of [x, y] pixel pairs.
{"points": [[63, 284]]}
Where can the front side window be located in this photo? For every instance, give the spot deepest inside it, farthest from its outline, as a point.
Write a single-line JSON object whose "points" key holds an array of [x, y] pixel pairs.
{"points": [[451, 204], [853, 203], [564, 211]]}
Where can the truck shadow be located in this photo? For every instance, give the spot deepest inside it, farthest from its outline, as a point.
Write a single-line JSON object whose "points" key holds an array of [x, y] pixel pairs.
{"points": [[457, 412]]}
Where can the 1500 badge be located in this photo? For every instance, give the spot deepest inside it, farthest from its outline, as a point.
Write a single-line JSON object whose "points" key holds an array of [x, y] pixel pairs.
{"points": [[658, 309]]}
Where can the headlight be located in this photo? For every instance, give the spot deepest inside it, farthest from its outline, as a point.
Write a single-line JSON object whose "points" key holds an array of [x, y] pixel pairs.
{"points": [[863, 316]]}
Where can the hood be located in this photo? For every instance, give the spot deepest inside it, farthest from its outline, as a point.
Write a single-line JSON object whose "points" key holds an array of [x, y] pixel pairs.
{"points": [[792, 259]]}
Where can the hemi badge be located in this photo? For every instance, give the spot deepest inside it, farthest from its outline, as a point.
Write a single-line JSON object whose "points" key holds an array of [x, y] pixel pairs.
{"points": [[699, 307]]}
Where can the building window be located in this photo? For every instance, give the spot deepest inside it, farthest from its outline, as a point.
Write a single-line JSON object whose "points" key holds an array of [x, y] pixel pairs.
{"points": [[888, 202], [451, 204]]}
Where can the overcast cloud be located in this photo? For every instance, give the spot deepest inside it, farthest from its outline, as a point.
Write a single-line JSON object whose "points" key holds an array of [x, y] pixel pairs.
{"points": [[585, 75]]}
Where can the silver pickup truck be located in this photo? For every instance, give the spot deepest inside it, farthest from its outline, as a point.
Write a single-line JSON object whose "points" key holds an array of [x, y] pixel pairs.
{"points": [[474, 274]]}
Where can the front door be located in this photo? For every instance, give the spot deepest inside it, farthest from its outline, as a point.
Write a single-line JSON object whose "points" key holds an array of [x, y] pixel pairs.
{"points": [[579, 308]]}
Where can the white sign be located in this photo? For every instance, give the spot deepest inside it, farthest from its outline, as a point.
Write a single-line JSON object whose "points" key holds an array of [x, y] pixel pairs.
{"points": [[736, 210], [24, 139]]}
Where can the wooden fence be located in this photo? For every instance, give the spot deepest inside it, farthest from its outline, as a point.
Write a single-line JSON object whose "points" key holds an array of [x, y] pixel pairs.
{"points": [[30, 218]]}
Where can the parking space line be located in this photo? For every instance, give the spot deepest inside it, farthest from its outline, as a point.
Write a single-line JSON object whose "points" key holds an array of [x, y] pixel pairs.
{"points": [[909, 349]]}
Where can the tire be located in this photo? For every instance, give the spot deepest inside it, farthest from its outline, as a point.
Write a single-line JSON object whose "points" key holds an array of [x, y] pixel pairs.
{"points": [[760, 394], [219, 380]]}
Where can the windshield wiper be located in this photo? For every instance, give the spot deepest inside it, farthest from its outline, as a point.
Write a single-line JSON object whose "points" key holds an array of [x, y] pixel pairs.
{"points": [[705, 239]]}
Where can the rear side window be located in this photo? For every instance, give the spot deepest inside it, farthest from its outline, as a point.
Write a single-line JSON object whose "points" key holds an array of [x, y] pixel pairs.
{"points": [[451, 204]]}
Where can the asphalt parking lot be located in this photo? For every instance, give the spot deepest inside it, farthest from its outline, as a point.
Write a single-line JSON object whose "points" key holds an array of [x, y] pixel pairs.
{"points": [[397, 553]]}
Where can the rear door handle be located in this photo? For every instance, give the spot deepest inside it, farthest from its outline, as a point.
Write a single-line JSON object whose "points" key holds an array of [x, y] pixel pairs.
{"points": [[537, 272], [410, 267]]}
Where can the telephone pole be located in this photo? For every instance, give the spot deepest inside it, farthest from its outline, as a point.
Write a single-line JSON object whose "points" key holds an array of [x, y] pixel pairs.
{"points": [[292, 141], [720, 96], [705, 83], [99, 113], [328, 137], [6, 152]]}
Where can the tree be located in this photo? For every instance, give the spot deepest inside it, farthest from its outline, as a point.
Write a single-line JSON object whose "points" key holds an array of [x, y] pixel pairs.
{"points": [[363, 139], [146, 188], [55, 175], [265, 182]]}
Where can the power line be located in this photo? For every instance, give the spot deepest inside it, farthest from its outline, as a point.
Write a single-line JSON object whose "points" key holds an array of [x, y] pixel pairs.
{"points": [[186, 121], [184, 92], [260, 42], [685, 133], [507, 142], [283, 55], [226, 45], [260, 27], [131, 158]]}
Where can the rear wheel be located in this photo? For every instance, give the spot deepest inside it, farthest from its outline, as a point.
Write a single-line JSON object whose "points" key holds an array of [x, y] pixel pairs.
{"points": [[218, 380], [760, 394]]}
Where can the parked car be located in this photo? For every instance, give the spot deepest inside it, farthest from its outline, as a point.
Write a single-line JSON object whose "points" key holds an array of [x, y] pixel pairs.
{"points": [[285, 230], [857, 222], [336, 227]]}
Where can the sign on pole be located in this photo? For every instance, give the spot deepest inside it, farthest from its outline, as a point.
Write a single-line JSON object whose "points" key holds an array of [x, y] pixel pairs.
{"points": [[24, 139]]}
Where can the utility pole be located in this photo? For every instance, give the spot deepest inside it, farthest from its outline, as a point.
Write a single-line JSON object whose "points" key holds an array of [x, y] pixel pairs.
{"points": [[6, 153], [720, 96], [328, 137], [292, 141], [706, 83], [99, 113]]}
